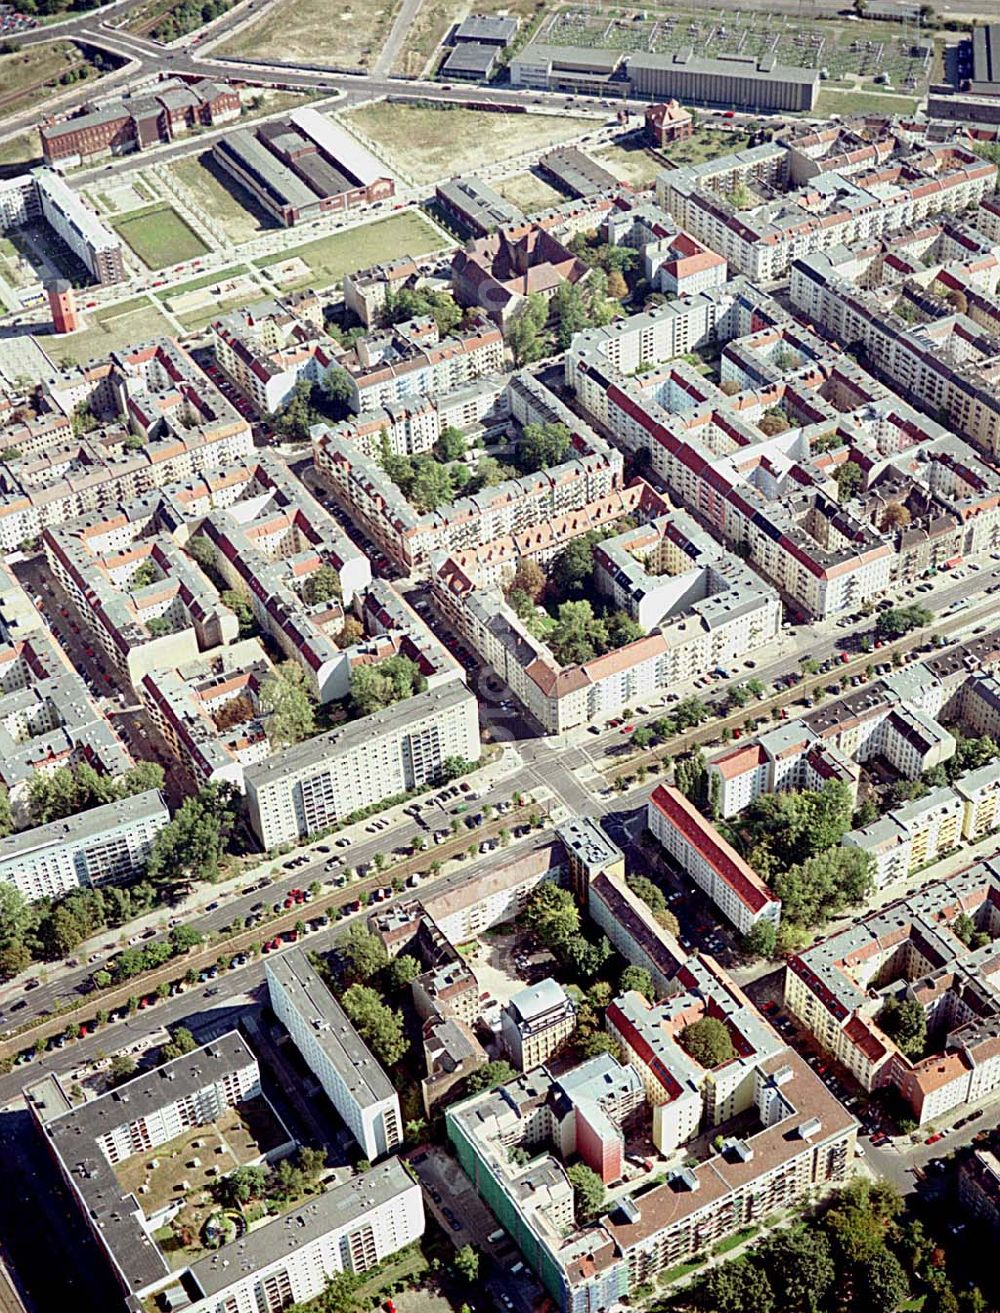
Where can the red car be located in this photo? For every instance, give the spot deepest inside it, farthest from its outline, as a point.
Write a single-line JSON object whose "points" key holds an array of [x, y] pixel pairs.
{"points": [[933, 1139]]}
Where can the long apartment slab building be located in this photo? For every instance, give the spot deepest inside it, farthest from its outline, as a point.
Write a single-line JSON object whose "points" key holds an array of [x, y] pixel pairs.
{"points": [[335, 1053], [45, 195], [351, 1227]]}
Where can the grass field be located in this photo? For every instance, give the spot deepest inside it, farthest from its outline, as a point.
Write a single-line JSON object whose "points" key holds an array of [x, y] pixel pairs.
{"points": [[24, 72], [329, 258], [832, 101], [159, 236], [341, 33], [704, 144], [22, 149], [529, 193], [229, 204], [633, 163], [427, 144], [116, 326]]}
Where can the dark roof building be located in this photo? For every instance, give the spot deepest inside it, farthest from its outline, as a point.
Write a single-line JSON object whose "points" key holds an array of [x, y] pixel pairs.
{"points": [[486, 30], [472, 61]]}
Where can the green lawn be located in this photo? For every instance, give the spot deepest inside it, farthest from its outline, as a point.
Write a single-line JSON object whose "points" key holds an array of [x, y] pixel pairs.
{"points": [[159, 236], [329, 258], [831, 101], [116, 327]]}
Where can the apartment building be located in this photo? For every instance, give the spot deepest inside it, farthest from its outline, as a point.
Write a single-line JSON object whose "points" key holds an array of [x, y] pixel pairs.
{"points": [[838, 207], [446, 985], [699, 608], [160, 421], [105, 845], [87, 236], [911, 836], [911, 950], [48, 717], [475, 206], [536, 1022], [949, 364], [88, 1140], [351, 1227], [335, 1053], [979, 1187], [496, 272], [316, 784], [686, 1097], [593, 471], [267, 350], [694, 843], [408, 360], [800, 1141]]}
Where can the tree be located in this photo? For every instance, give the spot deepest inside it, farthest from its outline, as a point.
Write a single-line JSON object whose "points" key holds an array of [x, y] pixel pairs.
{"points": [[882, 1284], [363, 953], [202, 551], [379, 1026], [467, 1263], [122, 1068], [848, 478], [542, 446], [637, 978], [293, 422], [824, 885], [899, 620], [402, 970], [737, 1287], [352, 631], [242, 609], [375, 687], [241, 1186], [286, 706], [569, 313], [311, 1162], [761, 940], [740, 197], [572, 569], [181, 1041], [906, 1023], [642, 737], [525, 329], [489, 1076], [895, 516], [551, 914], [14, 912], [191, 845], [651, 894], [802, 1266], [15, 956], [708, 1041], [339, 387], [450, 444], [323, 585], [432, 486], [529, 578], [578, 636], [588, 1193], [617, 286], [340, 1294]]}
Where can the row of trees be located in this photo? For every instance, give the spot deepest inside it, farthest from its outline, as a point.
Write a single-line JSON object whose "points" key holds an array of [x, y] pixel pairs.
{"points": [[70, 790], [375, 687], [863, 1254]]}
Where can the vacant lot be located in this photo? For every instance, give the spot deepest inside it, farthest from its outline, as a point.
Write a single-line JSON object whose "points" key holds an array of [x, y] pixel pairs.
{"points": [[434, 20], [329, 258], [529, 192], [340, 33], [704, 144], [22, 149], [159, 236], [428, 144], [116, 326], [222, 197], [632, 163], [24, 73]]}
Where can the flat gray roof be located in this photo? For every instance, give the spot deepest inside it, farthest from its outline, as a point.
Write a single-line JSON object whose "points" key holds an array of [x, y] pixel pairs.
{"points": [[285, 186], [331, 1211], [734, 66], [334, 1032], [85, 825], [313, 753]]}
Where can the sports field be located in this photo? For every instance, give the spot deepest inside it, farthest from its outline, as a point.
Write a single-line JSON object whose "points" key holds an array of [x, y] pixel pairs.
{"points": [[159, 236], [329, 258]]}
